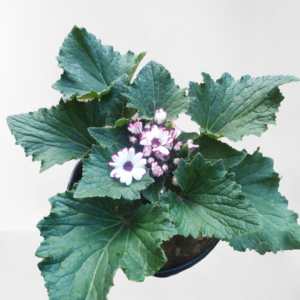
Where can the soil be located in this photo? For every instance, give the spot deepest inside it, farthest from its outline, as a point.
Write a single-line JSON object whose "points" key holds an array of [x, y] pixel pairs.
{"points": [[180, 249]]}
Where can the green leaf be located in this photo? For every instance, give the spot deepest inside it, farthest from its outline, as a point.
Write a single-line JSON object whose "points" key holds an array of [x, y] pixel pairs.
{"points": [[210, 202], [154, 89], [108, 137], [185, 136], [89, 67], [184, 152], [236, 108], [87, 240], [96, 180], [260, 184], [114, 103], [56, 135], [151, 193], [122, 122], [213, 150]]}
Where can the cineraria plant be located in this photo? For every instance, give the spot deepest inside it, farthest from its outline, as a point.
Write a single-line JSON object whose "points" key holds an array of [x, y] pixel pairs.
{"points": [[144, 180]]}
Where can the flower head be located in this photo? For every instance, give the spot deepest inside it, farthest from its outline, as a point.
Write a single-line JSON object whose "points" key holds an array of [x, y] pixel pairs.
{"points": [[177, 146], [135, 128], [174, 180], [133, 140], [160, 116], [156, 170], [151, 160], [176, 161], [147, 151], [159, 155], [165, 167], [147, 126], [127, 164], [191, 145], [174, 133], [157, 138]]}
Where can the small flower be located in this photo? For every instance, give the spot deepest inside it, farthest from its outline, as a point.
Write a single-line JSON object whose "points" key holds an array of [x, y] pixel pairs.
{"points": [[147, 151], [147, 126], [157, 138], [143, 135], [151, 160], [174, 133], [127, 164], [156, 170], [135, 128], [174, 180], [133, 140], [160, 116], [165, 167], [176, 161], [169, 145], [177, 146], [191, 145], [159, 155]]}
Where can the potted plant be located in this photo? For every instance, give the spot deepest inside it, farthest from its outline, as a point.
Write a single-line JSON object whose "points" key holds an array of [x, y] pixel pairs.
{"points": [[143, 187]]}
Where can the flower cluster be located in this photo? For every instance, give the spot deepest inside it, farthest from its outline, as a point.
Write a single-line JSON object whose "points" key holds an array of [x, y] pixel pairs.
{"points": [[159, 146]]}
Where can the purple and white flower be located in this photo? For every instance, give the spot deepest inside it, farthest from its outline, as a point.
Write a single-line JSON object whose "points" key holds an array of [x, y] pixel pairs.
{"points": [[156, 170], [127, 164], [136, 128], [191, 145], [160, 116], [177, 146], [165, 167], [176, 161], [174, 133], [151, 160], [157, 138], [133, 140], [159, 155], [147, 126], [147, 151]]}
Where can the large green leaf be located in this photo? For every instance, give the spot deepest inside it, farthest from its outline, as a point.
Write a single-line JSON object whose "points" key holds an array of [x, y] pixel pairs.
{"points": [[236, 108], [213, 150], [114, 103], [260, 183], [154, 89], [108, 137], [89, 67], [56, 135], [87, 240], [210, 202], [96, 180]]}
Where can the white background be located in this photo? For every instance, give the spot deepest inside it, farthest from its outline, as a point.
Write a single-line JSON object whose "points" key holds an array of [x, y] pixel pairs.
{"points": [[188, 37]]}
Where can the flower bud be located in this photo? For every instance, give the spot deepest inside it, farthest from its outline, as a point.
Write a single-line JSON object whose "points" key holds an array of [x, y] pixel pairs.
{"points": [[174, 133], [177, 146], [191, 145], [174, 180], [165, 167], [169, 145], [160, 116], [156, 170], [151, 160], [135, 128], [147, 151], [159, 155], [133, 140], [176, 161], [147, 126]]}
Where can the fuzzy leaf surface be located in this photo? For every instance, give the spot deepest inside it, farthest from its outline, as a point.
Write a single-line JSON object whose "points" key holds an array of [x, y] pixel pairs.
{"points": [[87, 240], [151, 193], [108, 137], [185, 136], [91, 68], [114, 103], [96, 180], [213, 150], [154, 89], [234, 108], [210, 202], [56, 135], [260, 184]]}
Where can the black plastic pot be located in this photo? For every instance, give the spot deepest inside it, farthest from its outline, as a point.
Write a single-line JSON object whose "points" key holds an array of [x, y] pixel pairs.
{"points": [[76, 176]]}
